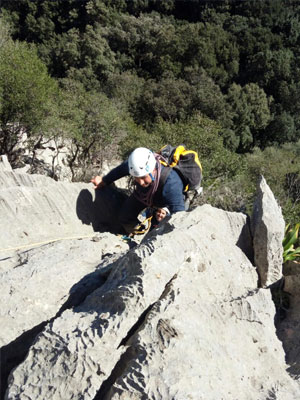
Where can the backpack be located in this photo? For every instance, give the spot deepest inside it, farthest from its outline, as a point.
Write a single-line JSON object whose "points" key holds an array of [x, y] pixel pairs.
{"points": [[186, 163]]}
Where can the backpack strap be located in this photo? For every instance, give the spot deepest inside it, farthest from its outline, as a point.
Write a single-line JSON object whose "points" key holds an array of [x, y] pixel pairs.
{"points": [[165, 172]]}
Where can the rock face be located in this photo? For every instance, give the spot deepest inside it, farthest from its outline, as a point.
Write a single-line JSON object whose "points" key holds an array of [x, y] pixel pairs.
{"points": [[49, 253], [179, 316], [185, 297], [268, 233], [36, 209], [36, 284]]}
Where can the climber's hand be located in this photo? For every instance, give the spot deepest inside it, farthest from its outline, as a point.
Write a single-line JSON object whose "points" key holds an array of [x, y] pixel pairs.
{"points": [[98, 182]]}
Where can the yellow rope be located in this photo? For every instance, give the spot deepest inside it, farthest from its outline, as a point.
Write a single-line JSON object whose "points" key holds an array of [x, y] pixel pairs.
{"points": [[47, 241], [141, 232]]}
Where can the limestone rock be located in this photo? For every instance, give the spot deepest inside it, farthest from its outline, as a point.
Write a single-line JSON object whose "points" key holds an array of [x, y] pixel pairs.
{"points": [[4, 163], [49, 259], [37, 283], [268, 232], [186, 296], [36, 209]]}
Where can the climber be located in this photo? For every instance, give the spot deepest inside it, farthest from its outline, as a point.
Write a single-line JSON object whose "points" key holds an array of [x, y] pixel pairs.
{"points": [[159, 215], [144, 166]]}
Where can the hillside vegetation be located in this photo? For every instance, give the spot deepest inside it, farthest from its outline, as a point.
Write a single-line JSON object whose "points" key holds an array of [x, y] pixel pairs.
{"points": [[221, 76]]}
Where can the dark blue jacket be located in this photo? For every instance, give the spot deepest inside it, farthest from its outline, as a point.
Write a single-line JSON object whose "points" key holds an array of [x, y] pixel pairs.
{"points": [[171, 195]]}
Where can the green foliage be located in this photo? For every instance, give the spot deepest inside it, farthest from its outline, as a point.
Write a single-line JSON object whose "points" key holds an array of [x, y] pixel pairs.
{"points": [[174, 100], [207, 97], [5, 32], [168, 99], [290, 239], [280, 166], [82, 56], [27, 94], [235, 62], [282, 129], [93, 123], [199, 134], [126, 88], [251, 113], [147, 44]]}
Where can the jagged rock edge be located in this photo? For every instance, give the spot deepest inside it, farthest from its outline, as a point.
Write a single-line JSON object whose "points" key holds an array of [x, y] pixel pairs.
{"points": [[28, 338], [128, 355]]}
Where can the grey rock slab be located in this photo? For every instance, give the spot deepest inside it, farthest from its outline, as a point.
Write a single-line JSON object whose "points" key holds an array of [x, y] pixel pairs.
{"points": [[35, 209], [197, 345], [35, 284], [76, 353], [268, 232]]}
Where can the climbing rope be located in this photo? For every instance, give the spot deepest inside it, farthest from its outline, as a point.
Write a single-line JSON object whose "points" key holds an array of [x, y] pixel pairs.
{"points": [[47, 242]]}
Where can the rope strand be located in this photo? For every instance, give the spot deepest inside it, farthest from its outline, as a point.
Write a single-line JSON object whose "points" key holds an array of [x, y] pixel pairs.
{"points": [[146, 196]]}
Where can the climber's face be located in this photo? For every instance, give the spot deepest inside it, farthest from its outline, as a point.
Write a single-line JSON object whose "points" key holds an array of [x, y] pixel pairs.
{"points": [[160, 214], [144, 181]]}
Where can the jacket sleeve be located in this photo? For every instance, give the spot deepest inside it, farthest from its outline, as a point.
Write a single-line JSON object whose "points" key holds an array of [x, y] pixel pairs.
{"points": [[119, 172], [172, 193]]}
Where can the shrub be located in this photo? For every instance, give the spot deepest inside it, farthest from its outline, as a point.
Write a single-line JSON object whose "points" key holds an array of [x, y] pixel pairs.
{"points": [[290, 239], [27, 95]]}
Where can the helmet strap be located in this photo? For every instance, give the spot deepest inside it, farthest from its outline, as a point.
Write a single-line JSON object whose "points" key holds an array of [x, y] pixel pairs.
{"points": [[152, 177]]}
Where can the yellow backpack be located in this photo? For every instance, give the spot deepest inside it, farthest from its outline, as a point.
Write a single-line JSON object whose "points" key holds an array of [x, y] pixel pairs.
{"points": [[185, 162]]}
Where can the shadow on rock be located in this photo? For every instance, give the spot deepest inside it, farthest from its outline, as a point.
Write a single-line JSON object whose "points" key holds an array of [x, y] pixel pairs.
{"points": [[15, 352], [245, 241], [102, 212]]}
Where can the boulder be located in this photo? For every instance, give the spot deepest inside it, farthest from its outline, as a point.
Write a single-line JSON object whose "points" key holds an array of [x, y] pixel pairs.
{"points": [[186, 296], [268, 232]]}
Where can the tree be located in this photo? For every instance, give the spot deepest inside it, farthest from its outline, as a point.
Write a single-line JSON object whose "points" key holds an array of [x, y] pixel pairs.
{"points": [[125, 88], [251, 113], [268, 67], [168, 99], [281, 130], [203, 135], [95, 125], [207, 97], [27, 95], [5, 32]]}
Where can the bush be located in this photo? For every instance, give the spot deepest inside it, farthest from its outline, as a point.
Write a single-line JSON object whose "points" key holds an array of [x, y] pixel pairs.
{"points": [[27, 95], [95, 126], [280, 166]]}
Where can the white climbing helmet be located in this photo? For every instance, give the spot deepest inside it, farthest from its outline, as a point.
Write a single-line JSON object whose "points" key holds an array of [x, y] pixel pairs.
{"points": [[141, 162]]}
